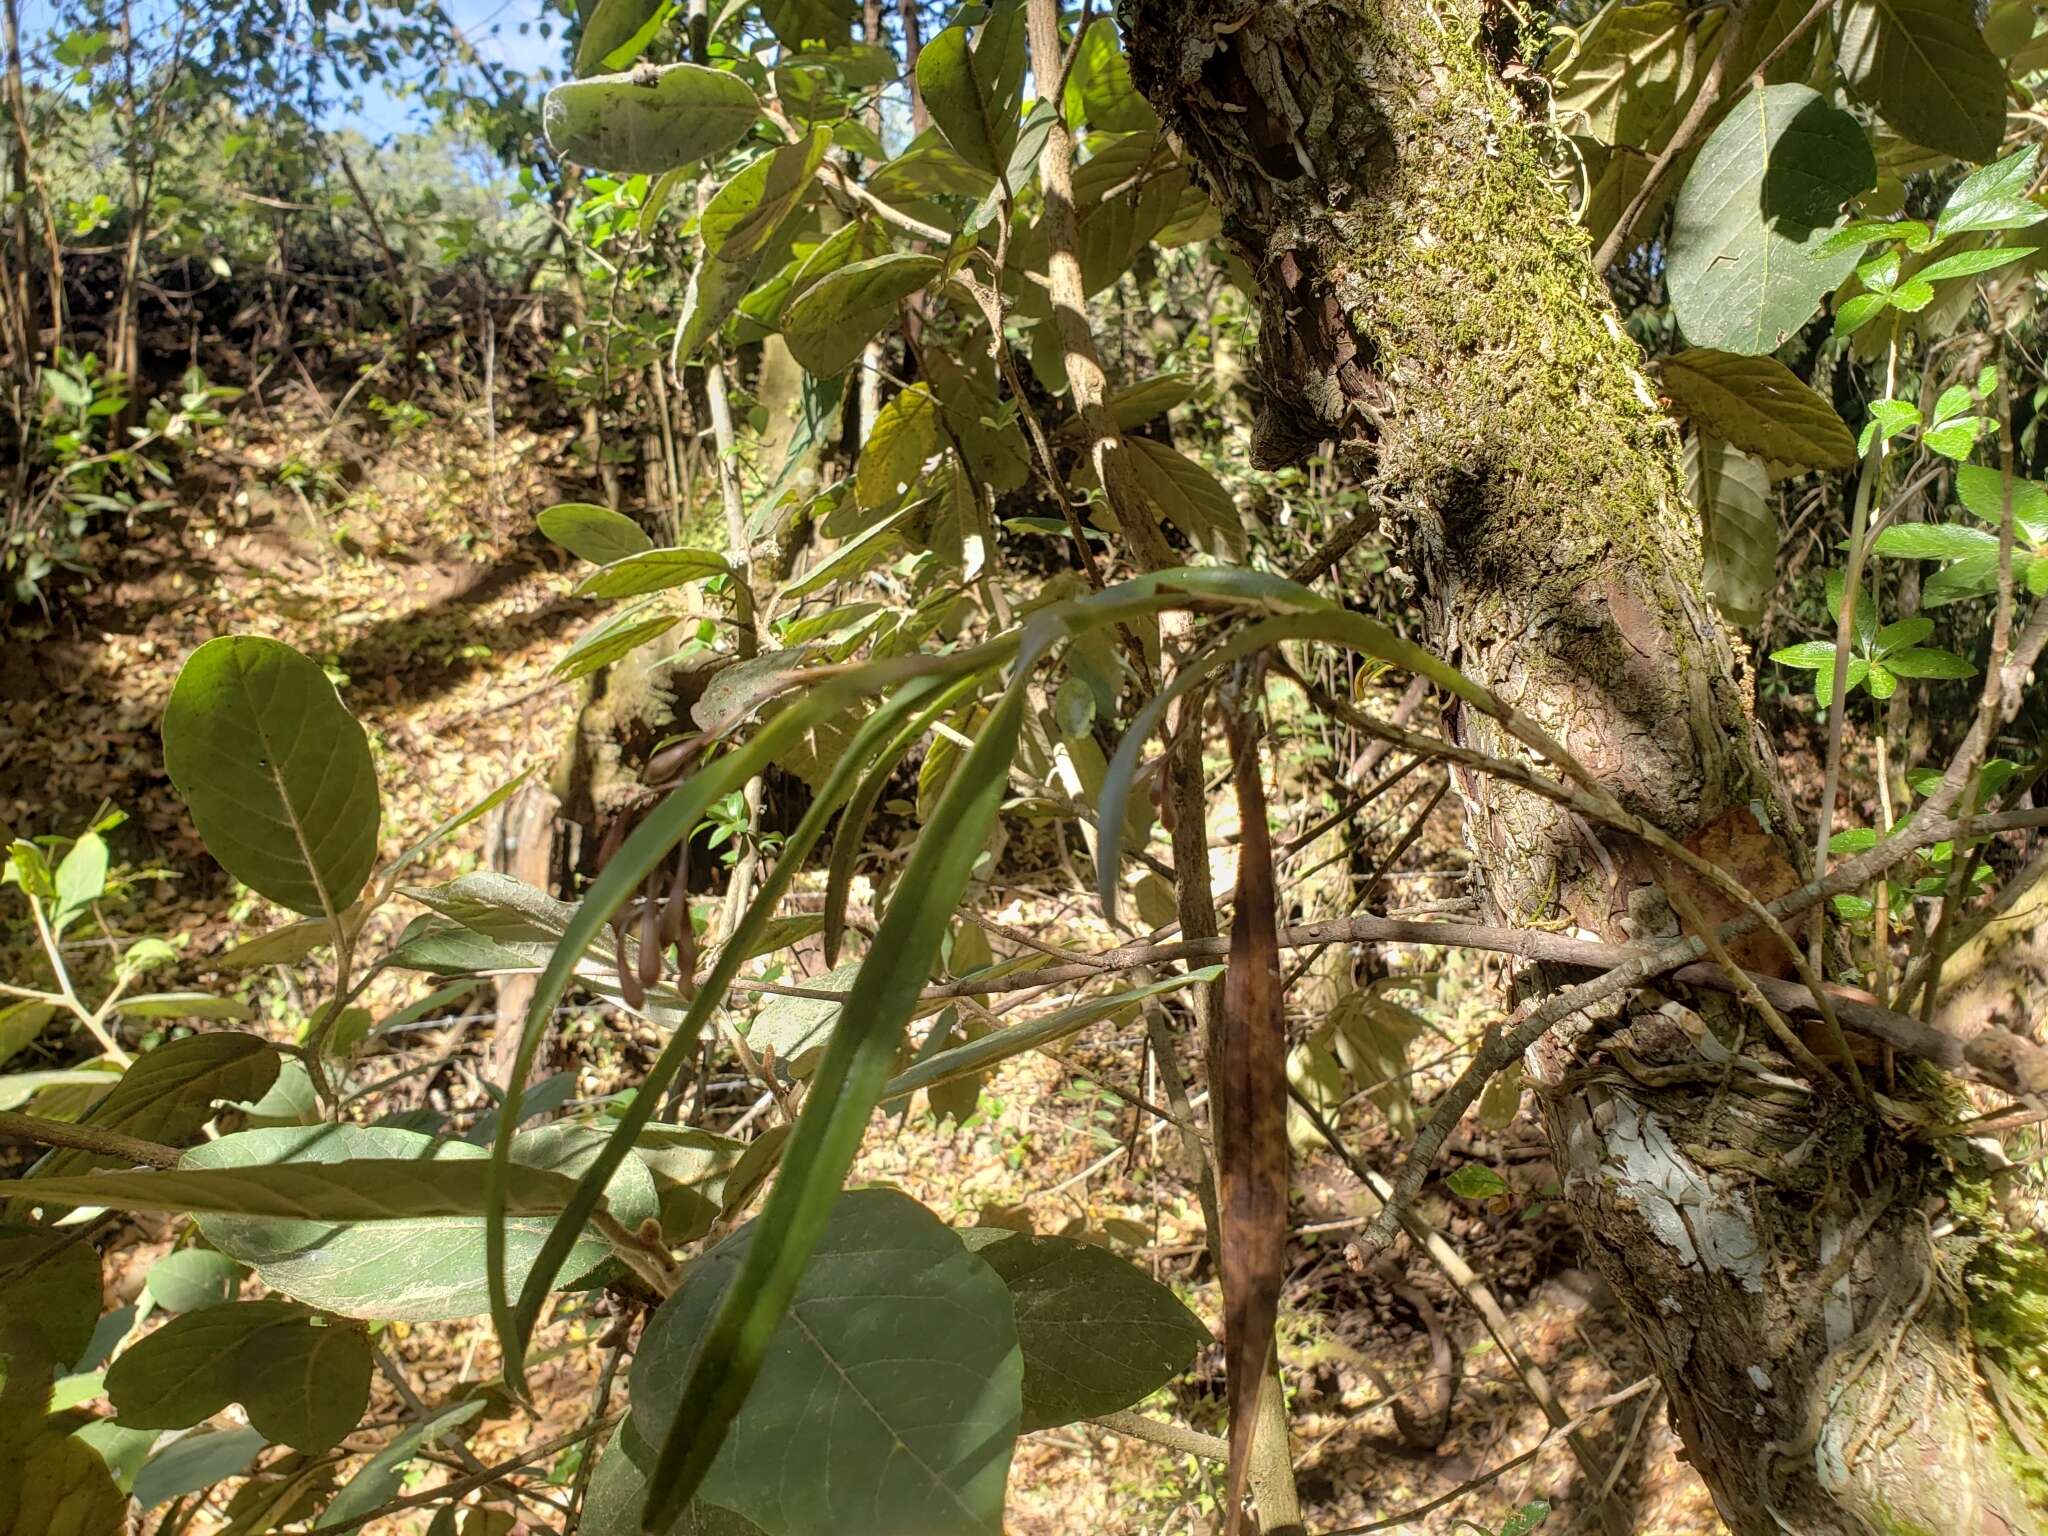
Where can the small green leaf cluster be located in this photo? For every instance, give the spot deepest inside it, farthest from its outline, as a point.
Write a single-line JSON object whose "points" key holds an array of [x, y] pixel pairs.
{"points": [[1992, 199], [1879, 655]]}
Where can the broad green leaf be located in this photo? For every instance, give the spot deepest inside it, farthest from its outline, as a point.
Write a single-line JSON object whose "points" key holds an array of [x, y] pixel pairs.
{"points": [[593, 533], [53, 1484], [1760, 406], [1889, 417], [1952, 402], [1956, 438], [1927, 71], [1934, 541], [1099, 89], [80, 1085], [982, 426], [1618, 78], [619, 1487], [276, 772], [796, 1029], [503, 909], [381, 1477], [857, 241], [1764, 192], [183, 1005], [1858, 233], [1098, 1335], [440, 947], [304, 1379], [892, 460], [81, 879], [51, 1291], [1903, 635], [653, 570], [736, 224], [629, 123], [1926, 661], [28, 868], [1126, 193], [715, 292], [1972, 576], [611, 30], [1807, 655], [828, 323], [1881, 680], [1824, 680], [691, 1169], [1970, 263], [616, 636], [1475, 1181], [738, 229], [193, 1278], [169, 1093], [1738, 525], [897, 1359], [282, 946], [194, 1462], [1186, 494], [1982, 490], [928, 167], [1136, 404], [366, 1189], [398, 1234], [1994, 198], [21, 1023], [1855, 313], [974, 91], [797, 22]]}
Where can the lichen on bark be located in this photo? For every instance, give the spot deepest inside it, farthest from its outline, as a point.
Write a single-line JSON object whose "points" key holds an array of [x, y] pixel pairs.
{"points": [[1426, 301]]}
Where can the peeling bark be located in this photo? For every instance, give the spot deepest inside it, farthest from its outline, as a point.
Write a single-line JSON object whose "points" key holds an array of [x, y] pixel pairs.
{"points": [[1426, 301]]}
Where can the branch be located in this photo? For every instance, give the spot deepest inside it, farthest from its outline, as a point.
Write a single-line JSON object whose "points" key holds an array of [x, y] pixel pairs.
{"points": [[85, 1138], [1681, 958], [479, 1479], [1175, 1437]]}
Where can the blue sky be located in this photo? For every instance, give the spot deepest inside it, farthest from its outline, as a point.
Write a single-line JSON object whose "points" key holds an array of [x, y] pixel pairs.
{"points": [[493, 27]]}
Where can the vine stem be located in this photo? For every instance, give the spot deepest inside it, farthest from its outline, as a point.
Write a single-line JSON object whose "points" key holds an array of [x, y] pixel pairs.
{"points": [[1845, 632]]}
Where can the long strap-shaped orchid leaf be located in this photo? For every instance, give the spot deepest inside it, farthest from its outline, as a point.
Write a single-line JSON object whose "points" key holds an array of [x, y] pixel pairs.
{"points": [[637, 857], [843, 1095]]}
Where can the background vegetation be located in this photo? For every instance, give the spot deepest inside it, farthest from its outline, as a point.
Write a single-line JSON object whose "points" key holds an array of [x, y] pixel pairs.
{"points": [[693, 629]]}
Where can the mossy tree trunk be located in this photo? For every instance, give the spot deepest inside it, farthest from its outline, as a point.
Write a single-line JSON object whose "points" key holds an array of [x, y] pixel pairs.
{"points": [[1427, 301]]}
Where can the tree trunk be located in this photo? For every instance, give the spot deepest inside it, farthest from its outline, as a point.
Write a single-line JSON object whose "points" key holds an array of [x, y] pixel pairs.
{"points": [[1426, 301]]}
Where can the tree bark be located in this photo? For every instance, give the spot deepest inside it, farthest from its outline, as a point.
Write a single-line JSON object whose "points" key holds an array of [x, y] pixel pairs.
{"points": [[1426, 301]]}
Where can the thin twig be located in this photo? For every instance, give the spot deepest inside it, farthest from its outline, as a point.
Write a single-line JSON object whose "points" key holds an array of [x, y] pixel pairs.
{"points": [[1493, 1474]]}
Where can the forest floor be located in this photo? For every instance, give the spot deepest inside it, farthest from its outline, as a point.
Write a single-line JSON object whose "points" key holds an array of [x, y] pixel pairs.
{"points": [[419, 583]]}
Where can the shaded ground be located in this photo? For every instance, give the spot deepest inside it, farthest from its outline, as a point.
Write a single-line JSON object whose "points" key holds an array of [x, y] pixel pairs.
{"points": [[423, 590]]}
